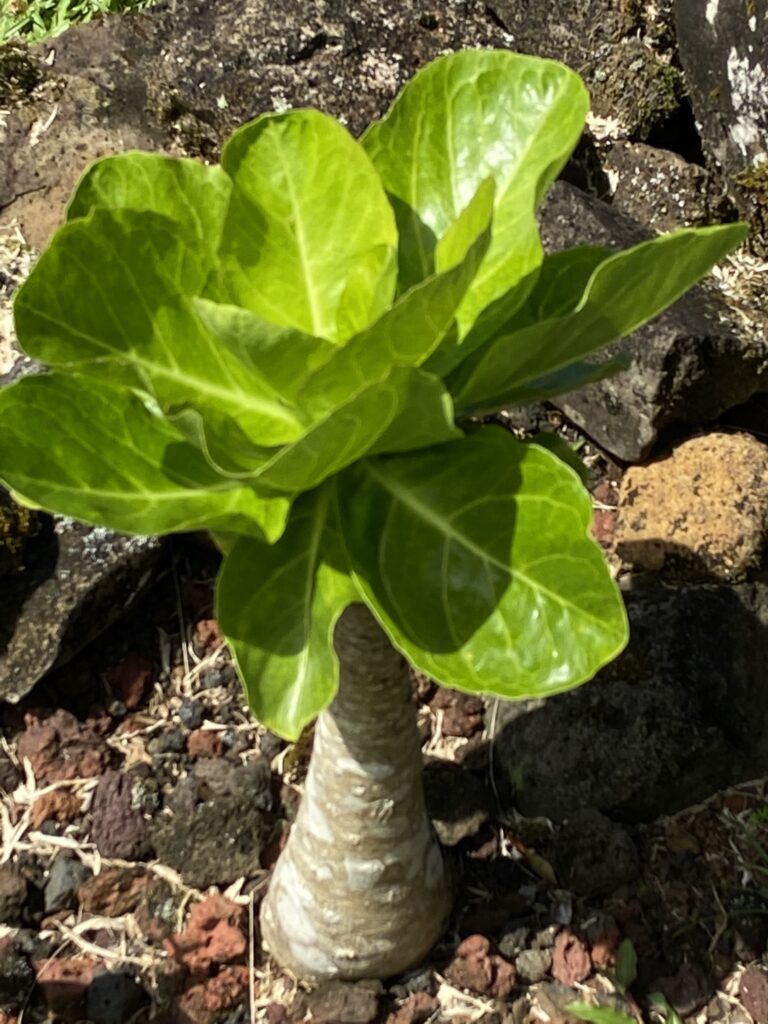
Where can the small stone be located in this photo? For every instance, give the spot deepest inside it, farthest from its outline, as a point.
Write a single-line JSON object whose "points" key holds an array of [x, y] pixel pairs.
{"points": [[204, 1003], [417, 1008], [204, 743], [172, 741], [461, 714], [67, 874], [513, 942], [59, 747], [13, 895], [191, 713], [533, 965], [118, 829], [458, 802], [10, 776], [687, 990], [571, 962], [213, 935], [131, 679], [345, 1002], [113, 997], [113, 892], [57, 805], [207, 635], [16, 975], [593, 855], [64, 983], [753, 993]]}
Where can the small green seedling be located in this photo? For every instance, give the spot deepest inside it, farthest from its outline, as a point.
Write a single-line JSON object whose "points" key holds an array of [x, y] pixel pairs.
{"points": [[295, 350]]}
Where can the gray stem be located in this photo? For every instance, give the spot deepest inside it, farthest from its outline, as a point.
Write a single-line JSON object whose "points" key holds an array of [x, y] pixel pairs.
{"points": [[360, 889]]}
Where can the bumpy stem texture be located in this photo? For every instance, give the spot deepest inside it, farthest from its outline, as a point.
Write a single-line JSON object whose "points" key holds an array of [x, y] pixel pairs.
{"points": [[360, 889]]}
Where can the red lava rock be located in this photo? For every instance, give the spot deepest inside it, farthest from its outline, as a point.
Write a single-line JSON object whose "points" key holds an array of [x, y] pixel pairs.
{"points": [[474, 967], [204, 1002], [113, 892], [276, 1013], [118, 828], [207, 636], [64, 983], [462, 714], [604, 526], [59, 805], [60, 747], [131, 679], [204, 743], [753, 993], [212, 935], [417, 1008], [571, 962], [603, 952]]}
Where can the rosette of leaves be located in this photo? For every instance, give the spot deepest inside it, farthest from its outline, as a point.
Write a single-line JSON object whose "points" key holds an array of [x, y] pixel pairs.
{"points": [[292, 350]]}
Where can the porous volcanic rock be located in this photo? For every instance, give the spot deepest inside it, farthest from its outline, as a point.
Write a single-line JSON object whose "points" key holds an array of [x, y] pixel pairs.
{"points": [[688, 365], [701, 513], [682, 713]]}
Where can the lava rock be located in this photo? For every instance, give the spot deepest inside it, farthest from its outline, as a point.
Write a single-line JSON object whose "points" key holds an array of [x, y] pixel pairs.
{"points": [[16, 975], [214, 842], [682, 713], [13, 895], [458, 802], [65, 877], [59, 747], [10, 776], [593, 855], [345, 1002], [113, 997], [688, 365], [118, 828]]}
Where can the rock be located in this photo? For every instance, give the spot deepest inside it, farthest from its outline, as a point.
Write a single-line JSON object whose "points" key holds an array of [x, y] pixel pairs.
{"points": [[460, 714], [130, 680], [47, 612], [701, 513], [687, 990], [688, 365], [113, 892], [65, 877], [113, 997], [570, 959], [416, 1009], [213, 935], [118, 829], [63, 984], [593, 856], [60, 747], [205, 1002], [204, 743], [213, 843], [753, 993], [458, 802], [10, 776], [16, 975], [13, 895], [476, 968], [191, 713], [219, 777], [533, 965], [722, 49], [57, 805], [344, 1002], [682, 713]]}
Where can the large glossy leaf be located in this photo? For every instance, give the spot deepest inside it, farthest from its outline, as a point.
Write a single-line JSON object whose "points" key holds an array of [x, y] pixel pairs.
{"points": [[475, 557], [310, 239], [101, 454], [109, 298], [464, 118], [408, 333], [625, 291], [278, 605], [194, 196]]}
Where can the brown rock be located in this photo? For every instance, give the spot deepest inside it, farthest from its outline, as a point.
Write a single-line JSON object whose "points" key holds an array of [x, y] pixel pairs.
{"points": [[58, 805], [113, 892], [571, 962], [701, 513], [130, 680], [207, 636], [204, 1002], [118, 829], [475, 968], [344, 1002], [753, 993], [418, 1007], [204, 743], [64, 983], [13, 895], [212, 936], [462, 714], [687, 990], [59, 747]]}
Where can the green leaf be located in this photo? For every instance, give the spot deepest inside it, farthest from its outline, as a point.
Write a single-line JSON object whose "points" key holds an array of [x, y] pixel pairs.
{"points": [[464, 118], [409, 332], [310, 239], [660, 1005], [426, 417], [475, 557], [559, 446], [625, 291], [192, 195], [625, 971], [101, 454], [109, 298], [599, 1014], [278, 605]]}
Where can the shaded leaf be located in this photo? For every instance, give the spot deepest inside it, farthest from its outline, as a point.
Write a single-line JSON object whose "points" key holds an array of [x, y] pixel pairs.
{"points": [[599, 1014], [278, 605], [475, 557], [103, 455], [310, 239]]}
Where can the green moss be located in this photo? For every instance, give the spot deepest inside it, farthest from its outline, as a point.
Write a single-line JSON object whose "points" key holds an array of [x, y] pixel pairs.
{"points": [[641, 89], [753, 186], [17, 525]]}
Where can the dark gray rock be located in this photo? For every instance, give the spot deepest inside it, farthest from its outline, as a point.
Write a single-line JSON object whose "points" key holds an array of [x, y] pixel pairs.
{"points": [[689, 365], [594, 856], [215, 842], [75, 582], [16, 975], [458, 802], [67, 874], [532, 965], [113, 997], [13, 895], [723, 46], [682, 713]]}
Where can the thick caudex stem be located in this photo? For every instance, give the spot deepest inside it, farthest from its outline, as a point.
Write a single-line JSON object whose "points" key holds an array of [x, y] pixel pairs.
{"points": [[360, 889]]}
